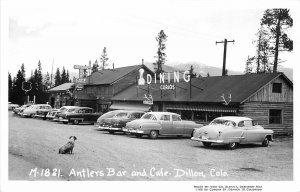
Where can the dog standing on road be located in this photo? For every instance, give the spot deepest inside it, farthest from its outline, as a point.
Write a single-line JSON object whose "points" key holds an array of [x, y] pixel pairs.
{"points": [[68, 148]]}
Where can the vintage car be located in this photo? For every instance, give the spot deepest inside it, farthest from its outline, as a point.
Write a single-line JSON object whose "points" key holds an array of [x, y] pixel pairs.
{"points": [[232, 130], [12, 106], [64, 109], [32, 110], [43, 111], [51, 114], [79, 115], [156, 124], [118, 121], [19, 110]]}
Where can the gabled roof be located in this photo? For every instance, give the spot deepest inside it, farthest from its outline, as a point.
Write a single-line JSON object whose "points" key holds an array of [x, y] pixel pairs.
{"points": [[209, 89], [62, 87], [109, 76]]}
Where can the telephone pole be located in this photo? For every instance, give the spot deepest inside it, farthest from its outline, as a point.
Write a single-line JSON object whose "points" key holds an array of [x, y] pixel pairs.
{"points": [[224, 54]]}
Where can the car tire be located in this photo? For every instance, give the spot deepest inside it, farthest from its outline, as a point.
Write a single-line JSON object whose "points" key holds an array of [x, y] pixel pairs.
{"points": [[206, 144], [232, 145], [111, 132], [265, 142], [153, 134], [76, 122]]}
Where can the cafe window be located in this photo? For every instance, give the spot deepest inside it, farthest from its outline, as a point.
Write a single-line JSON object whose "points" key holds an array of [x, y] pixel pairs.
{"points": [[200, 116], [186, 115], [275, 116], [277, 88]]}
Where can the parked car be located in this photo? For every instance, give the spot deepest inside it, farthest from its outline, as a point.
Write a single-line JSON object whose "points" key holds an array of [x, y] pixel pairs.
{"points": [[155, 124], [12, 106], [42, 111], [32, 110], [104, 116], [64, 109], [51, 114], [19, 110], [118, 121], [232, 130], [79, 115]]}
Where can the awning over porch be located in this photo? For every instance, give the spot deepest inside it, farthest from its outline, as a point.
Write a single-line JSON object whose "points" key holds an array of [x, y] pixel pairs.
{"points": [[211, 108], [129, 106]]}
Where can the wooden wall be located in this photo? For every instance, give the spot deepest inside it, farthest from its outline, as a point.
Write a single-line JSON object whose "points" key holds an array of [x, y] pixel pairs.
{"points": [[259, 111], [266, 95]]}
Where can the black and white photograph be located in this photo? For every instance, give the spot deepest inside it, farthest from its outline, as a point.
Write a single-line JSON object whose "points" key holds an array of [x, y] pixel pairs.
{"points": [[149, 95]]}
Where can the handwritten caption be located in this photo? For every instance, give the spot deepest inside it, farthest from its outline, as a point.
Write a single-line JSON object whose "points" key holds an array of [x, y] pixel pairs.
{"points": [[112, 172]]}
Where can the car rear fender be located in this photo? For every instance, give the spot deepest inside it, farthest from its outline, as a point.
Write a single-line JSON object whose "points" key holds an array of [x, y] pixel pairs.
{"points": [[147, 127]]}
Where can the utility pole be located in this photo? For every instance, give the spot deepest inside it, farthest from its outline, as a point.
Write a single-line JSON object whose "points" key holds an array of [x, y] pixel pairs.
{"points": [[224, 54]]}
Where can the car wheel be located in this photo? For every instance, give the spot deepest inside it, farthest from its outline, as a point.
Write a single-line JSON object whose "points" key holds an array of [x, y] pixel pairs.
{"points": [[153, 134], [76, 122], [265, 142], [111, 132], [232, 145], [206, 144], [65, 122]]}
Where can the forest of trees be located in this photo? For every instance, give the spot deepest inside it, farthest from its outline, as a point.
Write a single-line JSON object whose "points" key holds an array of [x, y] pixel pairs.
{"points": [[20, 87]]}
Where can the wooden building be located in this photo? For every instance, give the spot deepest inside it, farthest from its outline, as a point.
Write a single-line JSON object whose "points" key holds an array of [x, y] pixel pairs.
{"points": [[62, 95], [102, 85], [266, 98]]}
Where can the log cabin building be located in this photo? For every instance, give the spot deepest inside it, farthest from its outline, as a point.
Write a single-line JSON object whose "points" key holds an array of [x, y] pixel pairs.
{"points": [[267, 98]]}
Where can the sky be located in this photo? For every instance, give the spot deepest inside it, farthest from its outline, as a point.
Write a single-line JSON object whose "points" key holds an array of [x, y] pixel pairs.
{"points": [[68, 33]]}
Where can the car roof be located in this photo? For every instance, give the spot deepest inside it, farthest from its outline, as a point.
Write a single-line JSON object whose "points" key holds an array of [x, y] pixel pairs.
{"points": [[83, 108], [162, 113], [235, 118]]}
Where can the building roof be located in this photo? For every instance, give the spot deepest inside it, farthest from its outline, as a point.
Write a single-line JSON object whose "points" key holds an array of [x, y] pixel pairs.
{"points": [[206, 89], [109, 76], [62, 87]]}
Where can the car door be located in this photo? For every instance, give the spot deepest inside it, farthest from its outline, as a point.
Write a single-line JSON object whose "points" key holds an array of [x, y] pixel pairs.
{"points": [[178, 125], [167, 125], [251, 134]]}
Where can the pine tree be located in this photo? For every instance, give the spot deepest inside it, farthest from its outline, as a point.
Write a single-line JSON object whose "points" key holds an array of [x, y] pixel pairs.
{"points": [[10, 87], [104, 59], [68, 77], [19, 95], [277, 22], [57, 78], [64, 78], [161, 55]]}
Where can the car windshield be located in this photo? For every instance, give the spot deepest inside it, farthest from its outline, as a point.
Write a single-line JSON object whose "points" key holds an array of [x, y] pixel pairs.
{"points": [[148, 116], [223, 122]]}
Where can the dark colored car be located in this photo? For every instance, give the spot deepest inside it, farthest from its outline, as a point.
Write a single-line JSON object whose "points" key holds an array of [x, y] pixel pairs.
{"points": [[117, 122], [79, 115]]}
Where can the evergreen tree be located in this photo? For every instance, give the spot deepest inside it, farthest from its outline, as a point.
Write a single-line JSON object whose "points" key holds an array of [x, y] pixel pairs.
{"points": [[18, 96], [249, 67], [68, 77], [207, 75], [10, 87], [64, 78], [192, 73], [161, 55], [104, 59], [277, 22], [57, 78]]}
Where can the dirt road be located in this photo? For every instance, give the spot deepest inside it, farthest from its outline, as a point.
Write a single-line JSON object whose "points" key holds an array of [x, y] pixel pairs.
{"points": [[34, 144]]}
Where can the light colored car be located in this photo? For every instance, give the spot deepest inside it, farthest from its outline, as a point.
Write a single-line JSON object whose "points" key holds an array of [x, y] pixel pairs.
{"points": [[156, 124], [19, 110], [232, 130], [107, 115], [12, 106], [32, 110], [51, 114]]}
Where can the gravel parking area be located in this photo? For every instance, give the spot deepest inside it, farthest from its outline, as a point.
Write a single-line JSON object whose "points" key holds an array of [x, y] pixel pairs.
{"points": [[34, 144]]}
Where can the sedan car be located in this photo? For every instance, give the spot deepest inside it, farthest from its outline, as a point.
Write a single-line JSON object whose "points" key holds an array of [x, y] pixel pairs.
{"points": [[232, 130], [32, 110], [79, 115], [19, 110], [43, 111], [118, 121], [64, 109], [156, 124], [12, 106], [51, 114]]}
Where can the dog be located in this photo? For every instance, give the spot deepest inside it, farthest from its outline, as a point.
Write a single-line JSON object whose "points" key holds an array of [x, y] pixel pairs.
{"points": [[68, 148]]}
